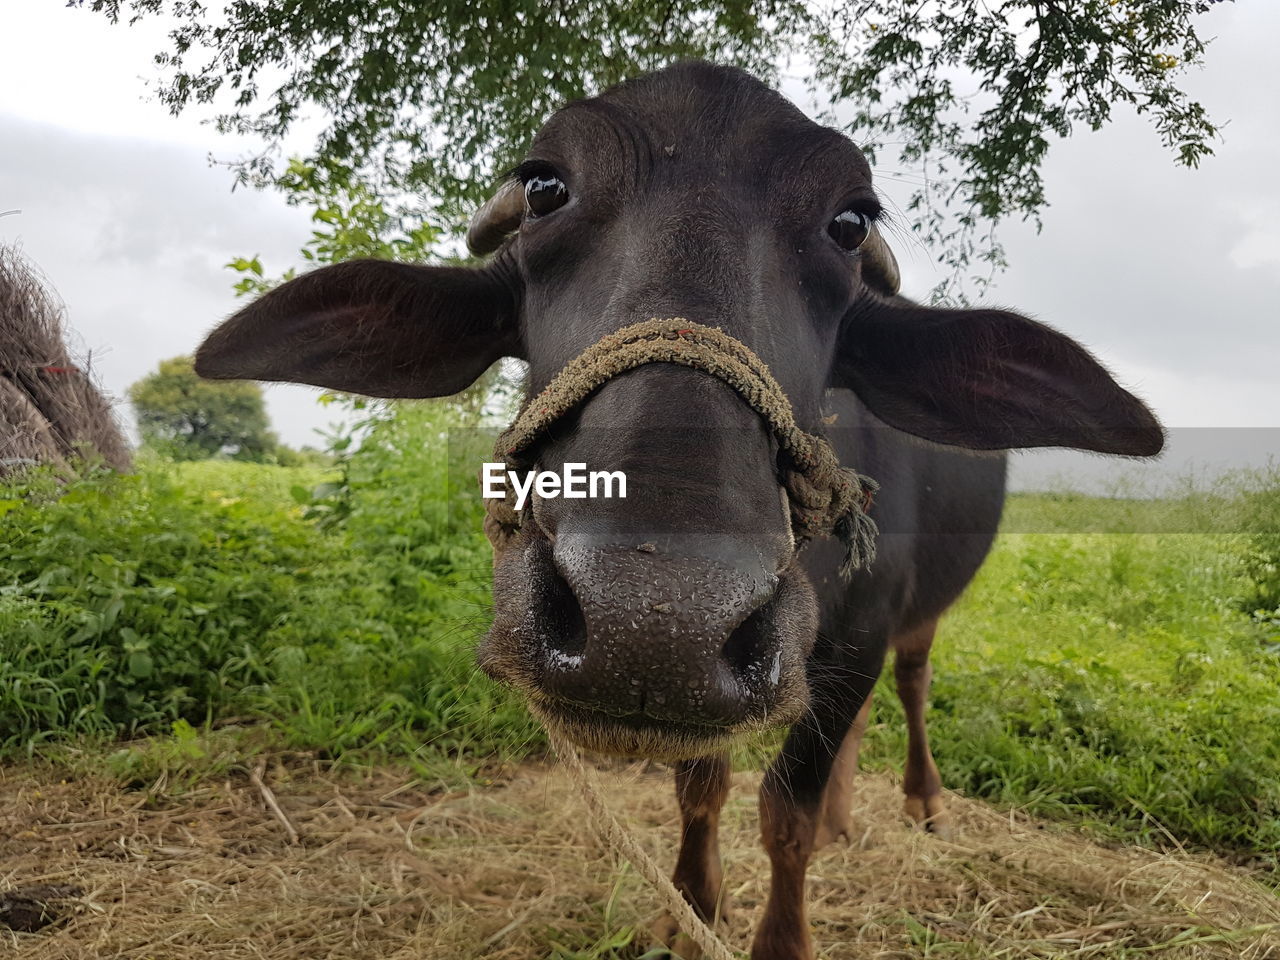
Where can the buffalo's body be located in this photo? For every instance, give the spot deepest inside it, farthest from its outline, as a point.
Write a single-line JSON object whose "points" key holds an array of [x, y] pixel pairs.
{"points": [[668, 622], [937, 511]]}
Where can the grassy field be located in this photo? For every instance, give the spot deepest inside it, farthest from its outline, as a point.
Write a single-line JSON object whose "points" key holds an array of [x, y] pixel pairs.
{"points": [[161, 634], [1110, 677]]}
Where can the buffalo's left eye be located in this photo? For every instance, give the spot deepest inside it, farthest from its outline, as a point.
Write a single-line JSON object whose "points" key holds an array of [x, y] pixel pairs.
{"points": [[850, 229], [544, 193]]}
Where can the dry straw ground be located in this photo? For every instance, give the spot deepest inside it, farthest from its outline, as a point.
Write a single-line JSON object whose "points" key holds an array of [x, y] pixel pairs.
{"points": [[386, 868]]}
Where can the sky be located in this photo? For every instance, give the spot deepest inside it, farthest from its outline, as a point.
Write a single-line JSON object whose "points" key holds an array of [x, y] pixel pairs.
{"points": [[1171, 276]]}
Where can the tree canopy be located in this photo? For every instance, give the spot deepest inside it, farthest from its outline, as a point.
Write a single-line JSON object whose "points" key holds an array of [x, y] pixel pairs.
{"points": [[439, 98], [188, 418]]}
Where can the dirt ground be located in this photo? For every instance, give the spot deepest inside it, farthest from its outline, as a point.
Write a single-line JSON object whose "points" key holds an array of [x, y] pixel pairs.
{"points": [[385, 868]]}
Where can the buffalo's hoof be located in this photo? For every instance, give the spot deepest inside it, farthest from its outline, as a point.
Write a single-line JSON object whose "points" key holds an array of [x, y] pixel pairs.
{"points": [[667, 933], [929, 814], [833, 827]]}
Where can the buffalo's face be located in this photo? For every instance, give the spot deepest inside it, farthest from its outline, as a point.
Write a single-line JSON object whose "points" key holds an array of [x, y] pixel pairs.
{"points": [[673, 618], [667, 621]]}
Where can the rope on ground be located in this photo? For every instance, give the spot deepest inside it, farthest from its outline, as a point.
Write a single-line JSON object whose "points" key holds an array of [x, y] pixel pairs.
{"points": [[624, 843]]}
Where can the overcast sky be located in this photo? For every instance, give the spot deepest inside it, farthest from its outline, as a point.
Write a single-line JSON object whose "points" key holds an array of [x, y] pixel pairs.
{"points": [[1171, 276]]}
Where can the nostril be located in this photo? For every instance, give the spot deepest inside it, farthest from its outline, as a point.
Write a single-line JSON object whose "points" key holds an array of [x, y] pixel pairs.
{"points": [[751, 649], [564, 629]]}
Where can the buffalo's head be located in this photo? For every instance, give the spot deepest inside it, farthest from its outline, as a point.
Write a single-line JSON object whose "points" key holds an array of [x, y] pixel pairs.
{"points": [[669, 620]]}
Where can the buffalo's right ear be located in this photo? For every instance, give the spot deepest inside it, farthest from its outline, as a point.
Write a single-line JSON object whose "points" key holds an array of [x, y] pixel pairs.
{"points": [[373, 327]]}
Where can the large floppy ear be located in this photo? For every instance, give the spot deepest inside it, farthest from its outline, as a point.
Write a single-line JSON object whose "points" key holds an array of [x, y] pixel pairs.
{"points": [[374, 327], [986, 380]]}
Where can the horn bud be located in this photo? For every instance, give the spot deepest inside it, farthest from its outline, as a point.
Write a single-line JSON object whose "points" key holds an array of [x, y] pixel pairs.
{"points": [[879, 265], [497, 219]]}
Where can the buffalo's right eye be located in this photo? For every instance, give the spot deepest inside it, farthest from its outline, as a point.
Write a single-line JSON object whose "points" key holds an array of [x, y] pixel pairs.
{"points": [[850, 229], [544, 193]]}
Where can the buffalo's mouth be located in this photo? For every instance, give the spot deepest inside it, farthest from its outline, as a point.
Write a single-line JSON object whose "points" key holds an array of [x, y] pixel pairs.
{"points": [[643, 736], [648, 654]]}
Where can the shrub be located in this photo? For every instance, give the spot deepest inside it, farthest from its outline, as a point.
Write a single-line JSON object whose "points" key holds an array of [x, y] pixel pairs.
{"points": [[1261, 556], [201, 591], [128, 602]]}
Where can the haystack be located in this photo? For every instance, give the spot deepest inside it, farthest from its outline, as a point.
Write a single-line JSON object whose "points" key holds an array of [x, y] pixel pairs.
{"points": [[25, 436], [50, 409]]}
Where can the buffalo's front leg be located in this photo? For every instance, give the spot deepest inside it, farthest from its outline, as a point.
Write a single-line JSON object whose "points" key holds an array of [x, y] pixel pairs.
{"points": [[836, 819], [788, 823], [791, 808], [702, 785]]}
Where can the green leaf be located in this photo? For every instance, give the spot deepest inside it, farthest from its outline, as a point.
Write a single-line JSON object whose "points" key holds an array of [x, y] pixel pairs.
{"points": [[141, 664]]}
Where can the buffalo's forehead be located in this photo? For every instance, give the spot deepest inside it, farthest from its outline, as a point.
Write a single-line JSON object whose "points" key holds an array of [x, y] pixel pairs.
{"points": [[717, 120]]}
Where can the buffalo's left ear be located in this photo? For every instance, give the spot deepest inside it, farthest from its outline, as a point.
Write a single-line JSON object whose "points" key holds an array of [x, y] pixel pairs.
{"points": [[986, 380], [374, 327]]}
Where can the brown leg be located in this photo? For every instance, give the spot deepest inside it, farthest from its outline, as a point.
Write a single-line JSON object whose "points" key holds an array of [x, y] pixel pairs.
{"points": [[793, 792], [920, 782], [788, 827], [702, 785], [836, 818]]}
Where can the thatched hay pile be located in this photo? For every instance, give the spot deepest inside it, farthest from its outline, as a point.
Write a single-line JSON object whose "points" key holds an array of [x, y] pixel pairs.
{"points": [[25, 436], [50, 409]]}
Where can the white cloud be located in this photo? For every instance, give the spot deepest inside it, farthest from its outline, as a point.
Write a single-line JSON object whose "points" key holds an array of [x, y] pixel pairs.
{"points": [[133, 235], [1259, 247], [70, 68]]}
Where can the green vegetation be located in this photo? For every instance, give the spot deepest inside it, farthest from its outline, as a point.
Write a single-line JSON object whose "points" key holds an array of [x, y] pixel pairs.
{"points": [[1110, 677], [130, 601], [1129, 680], [198, 592], [1262, 559]]}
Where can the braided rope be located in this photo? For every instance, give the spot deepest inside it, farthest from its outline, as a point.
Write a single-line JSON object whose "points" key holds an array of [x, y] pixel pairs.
{"points": [[825, 498], [625, 844]]}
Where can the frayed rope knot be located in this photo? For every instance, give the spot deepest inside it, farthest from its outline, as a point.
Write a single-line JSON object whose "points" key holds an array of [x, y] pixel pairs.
{"points": [[826, 499]]}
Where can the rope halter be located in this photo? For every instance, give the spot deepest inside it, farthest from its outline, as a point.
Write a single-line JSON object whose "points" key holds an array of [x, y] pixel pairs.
{"points": [[825, 498]]}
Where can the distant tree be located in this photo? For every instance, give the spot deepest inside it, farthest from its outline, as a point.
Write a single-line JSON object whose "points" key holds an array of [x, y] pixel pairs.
{"points": [[187, 418], [304, 456], [437, 99]]}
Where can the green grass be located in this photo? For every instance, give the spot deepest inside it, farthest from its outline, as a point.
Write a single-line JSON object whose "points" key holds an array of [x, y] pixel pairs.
{"points": [[1109, 677], [128, 602], [1126, 680]]}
